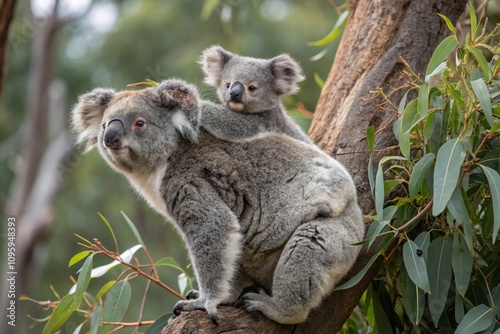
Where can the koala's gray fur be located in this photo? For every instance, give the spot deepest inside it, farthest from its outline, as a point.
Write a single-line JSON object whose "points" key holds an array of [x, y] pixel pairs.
{"points": [[256, 108], [250, 212]]}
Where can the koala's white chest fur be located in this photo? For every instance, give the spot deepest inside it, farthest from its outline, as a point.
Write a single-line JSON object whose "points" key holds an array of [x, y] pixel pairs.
{"points": [[149, 186]]}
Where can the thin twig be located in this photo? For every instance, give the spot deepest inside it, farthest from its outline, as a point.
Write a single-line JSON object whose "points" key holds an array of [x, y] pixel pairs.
{"points": [[416, 218], [128, 324], [113, 256], [143, 303]]}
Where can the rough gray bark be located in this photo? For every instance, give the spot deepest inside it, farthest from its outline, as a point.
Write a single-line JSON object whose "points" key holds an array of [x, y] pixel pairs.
{"points": [[378, 34]]}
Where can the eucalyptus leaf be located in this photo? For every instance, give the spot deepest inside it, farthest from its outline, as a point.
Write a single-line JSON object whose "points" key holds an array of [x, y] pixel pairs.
{"points": [[374, 230], [60, 315], [415, 266], [133, 228], [494, 183], [319, 81], [95, 320], [78, 257], [446, 173], [169, 262], [482, 94], [423, 240], [355, 280], [459, 308], [410, 118], [437, 71], [439, 270], [419, 171], [423, 101], [441, 52], [126, 256], [483, 63], [448, 22], [379, 193], [477, 319], [457, 208], [117, 301], [103, 290], [83, 281], [461, 260], [159, 324], [473, 21], [429, 125], [371, 177], [413, 298], [370, 138], [334, 33]]}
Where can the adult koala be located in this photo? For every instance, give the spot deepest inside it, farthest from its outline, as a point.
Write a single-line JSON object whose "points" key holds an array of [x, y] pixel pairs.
{"points": [[272, 212]]}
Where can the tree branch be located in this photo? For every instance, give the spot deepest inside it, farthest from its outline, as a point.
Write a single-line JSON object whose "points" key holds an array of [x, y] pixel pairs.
{"points": [[6, 15]]}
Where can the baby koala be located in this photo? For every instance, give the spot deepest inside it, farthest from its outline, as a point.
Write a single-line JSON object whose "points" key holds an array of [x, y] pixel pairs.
{"points": [[249, 90]]}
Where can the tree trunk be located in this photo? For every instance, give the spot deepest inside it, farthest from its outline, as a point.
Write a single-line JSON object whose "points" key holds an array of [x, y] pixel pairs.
{"points": [[378, 35], [6, 14]]}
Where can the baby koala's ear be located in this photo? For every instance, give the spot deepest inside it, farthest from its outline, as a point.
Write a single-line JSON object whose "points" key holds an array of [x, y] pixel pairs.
{"points": [[87, 114], [287, 74], [183, 98], [212, 62]]}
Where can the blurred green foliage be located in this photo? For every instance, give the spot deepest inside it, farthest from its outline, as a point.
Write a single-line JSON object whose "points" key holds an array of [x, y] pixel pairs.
{"points": [[120, 42]]}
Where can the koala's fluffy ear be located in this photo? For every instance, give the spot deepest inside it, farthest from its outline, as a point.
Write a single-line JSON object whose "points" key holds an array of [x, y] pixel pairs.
{"points": [[86, 116], [287, 74], [212, 62], [178, 94]]}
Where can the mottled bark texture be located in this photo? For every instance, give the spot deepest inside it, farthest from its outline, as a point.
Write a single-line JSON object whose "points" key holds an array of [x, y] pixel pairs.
{"points": [[378, 35]]}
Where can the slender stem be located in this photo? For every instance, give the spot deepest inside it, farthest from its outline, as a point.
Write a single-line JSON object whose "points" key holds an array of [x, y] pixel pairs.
{"points": [[128, 324], [111, 255], [143, 303], [416, 218]]}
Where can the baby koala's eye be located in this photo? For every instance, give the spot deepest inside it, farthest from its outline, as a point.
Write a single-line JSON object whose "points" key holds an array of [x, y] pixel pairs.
{"points": [[228, 85], [103, 126], [252, 88]]}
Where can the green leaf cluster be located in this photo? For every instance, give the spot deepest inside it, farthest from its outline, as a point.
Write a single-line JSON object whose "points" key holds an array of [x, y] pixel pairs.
{"points": [[440, 198], [104, 312]]}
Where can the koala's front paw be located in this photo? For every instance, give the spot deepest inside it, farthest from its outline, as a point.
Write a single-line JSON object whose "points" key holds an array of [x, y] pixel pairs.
{"points": [[197, 304]]}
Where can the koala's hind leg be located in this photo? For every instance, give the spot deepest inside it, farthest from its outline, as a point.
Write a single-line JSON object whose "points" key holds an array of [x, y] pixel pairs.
{"points": [[315, 258]]}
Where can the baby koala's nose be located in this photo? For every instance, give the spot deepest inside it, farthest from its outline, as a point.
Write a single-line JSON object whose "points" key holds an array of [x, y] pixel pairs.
{"points": [[236, 92]]}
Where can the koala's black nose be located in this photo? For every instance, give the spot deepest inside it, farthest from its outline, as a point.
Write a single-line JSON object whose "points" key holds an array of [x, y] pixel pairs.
{"points": [[236, 92], [114, 133]]}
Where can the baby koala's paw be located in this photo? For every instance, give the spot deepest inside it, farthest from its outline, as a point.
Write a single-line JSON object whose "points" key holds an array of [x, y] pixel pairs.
{"points": [[178, 92]]}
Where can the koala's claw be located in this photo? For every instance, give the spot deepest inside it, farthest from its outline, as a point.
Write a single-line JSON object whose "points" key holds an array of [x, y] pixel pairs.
{"points": [[178, 308], [252, 299], [214, 318]]}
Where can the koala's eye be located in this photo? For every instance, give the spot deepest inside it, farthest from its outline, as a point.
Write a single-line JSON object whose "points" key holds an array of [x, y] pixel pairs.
{"points": [[103, 126], [228, 85], [252, 88], [140, 123]]}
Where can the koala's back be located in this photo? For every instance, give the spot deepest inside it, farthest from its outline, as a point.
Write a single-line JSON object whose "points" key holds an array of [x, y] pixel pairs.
{"points": [[266, 183]]}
